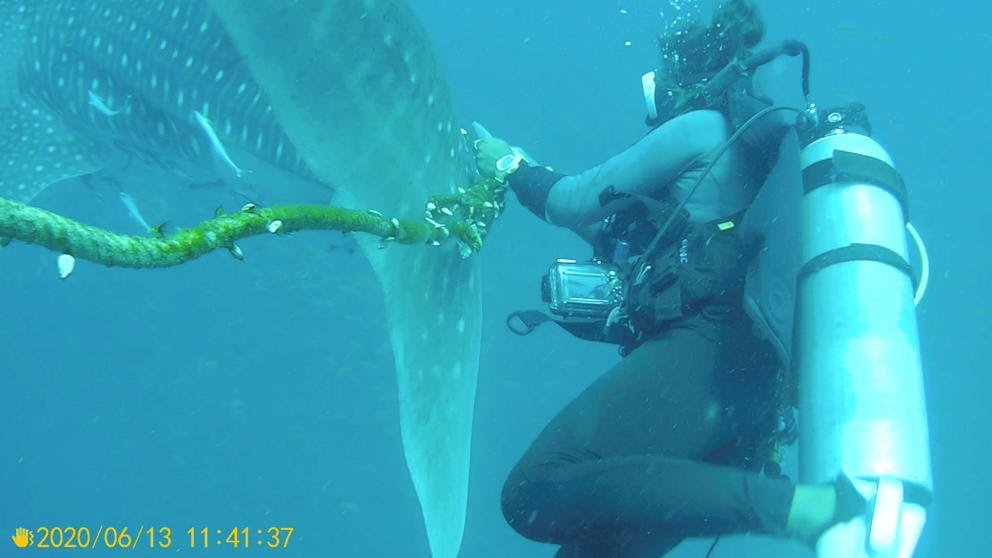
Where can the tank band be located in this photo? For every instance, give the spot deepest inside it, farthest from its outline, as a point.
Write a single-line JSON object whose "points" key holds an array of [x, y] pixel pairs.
{"points": [[917, 494], [857, 253], [846, 166]]}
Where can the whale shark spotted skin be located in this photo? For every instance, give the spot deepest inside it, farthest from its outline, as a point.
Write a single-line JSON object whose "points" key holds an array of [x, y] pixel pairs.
{"points": [[95, 74], [342, 92]]}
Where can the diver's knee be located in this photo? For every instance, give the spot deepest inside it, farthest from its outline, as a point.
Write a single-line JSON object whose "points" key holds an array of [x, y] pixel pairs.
{"points": [[514, 499], [522, 501]]}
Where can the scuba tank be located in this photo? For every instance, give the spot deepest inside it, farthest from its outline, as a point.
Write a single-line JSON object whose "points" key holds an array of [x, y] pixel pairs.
{"points": [[857, 351]]}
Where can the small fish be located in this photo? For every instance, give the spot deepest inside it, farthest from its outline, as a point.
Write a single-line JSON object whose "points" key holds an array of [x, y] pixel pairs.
{"points": [[101, 106], [132, 210], [344, 242], [350, 249], [215, 142]]}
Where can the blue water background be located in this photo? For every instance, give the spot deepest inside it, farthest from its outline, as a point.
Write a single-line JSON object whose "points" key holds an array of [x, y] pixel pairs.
{"points": [[225, 394]]}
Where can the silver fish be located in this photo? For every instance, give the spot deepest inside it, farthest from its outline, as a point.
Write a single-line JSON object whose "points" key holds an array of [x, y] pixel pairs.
{"points": [[101, 106], [132, 210]]}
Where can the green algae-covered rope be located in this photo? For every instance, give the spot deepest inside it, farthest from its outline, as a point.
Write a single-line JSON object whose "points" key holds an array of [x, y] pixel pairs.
{"points": [[464, 217]]}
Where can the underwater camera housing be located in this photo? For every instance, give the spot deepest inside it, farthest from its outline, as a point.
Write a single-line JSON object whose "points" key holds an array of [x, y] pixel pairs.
{"points": [[582, 291]]}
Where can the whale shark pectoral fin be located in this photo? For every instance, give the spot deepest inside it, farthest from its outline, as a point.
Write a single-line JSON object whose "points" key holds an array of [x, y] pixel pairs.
{"points": [[38, 150]]}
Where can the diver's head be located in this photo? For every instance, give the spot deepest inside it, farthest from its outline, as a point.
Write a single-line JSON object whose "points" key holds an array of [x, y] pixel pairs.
{"points": [[693, 53]]}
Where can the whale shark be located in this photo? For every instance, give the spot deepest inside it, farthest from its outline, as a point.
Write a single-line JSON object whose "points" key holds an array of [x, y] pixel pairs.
{"points": [[342, 94]]}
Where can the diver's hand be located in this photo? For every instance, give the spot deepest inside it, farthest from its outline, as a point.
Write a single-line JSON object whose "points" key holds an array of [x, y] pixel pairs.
{"points": [[495, 158]]}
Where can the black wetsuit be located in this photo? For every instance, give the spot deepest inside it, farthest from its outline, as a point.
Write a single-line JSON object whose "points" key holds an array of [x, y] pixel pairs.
{"points": [[665, 445]]}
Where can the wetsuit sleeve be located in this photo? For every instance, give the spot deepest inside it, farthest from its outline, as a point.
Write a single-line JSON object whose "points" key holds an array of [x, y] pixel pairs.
{"points": [[531, 185], [646, 168]]}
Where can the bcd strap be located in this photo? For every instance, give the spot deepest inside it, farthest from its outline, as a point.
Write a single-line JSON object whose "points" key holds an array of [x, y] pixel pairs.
{"points": [[524, 322], [704, 271], [857, 253], [846, 166], [636, 219]]}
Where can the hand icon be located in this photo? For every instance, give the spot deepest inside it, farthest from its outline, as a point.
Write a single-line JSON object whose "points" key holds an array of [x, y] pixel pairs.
{"points": [[22, 537]]}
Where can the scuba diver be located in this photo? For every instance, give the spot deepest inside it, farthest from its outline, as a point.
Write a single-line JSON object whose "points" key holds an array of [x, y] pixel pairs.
{"points": [[670, 443]]}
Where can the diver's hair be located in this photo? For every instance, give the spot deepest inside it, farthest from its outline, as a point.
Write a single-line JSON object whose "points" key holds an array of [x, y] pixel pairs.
{"points": [[697, 51]]}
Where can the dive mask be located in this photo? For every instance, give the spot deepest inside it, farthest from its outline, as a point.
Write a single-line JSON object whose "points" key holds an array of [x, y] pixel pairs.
{"points": [[660, 97]]}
